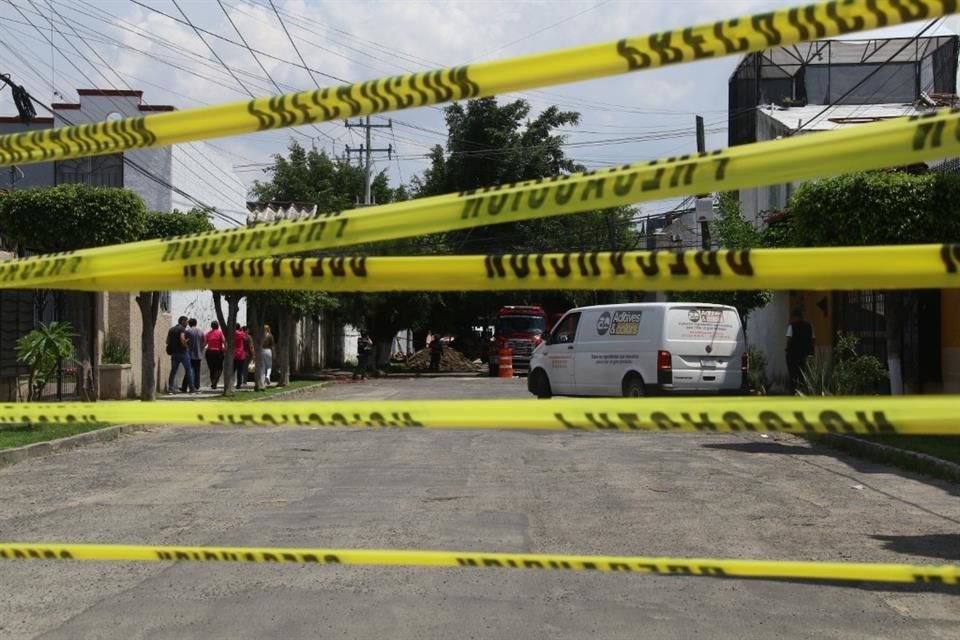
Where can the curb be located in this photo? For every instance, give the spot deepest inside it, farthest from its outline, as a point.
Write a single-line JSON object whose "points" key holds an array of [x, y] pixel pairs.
{"points": [[910, 460], [38, 449], [48, 447]]}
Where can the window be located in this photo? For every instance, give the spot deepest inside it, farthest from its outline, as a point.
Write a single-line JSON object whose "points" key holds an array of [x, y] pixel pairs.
{"points": [[98, 171], [521, 324], [566, 331]]}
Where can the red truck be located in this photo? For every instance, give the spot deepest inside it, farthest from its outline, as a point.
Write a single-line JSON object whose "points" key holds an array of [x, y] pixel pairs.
{"points": [[519, 329]]}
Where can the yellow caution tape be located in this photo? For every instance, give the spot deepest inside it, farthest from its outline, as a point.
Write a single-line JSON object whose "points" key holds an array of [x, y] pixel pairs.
{"points": [[846, 268], [927, 415], [868, 146], [706, 567], [722, 38]]}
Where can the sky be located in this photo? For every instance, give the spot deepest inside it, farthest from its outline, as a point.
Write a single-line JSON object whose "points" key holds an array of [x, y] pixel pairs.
{"points": [[130, 44]]}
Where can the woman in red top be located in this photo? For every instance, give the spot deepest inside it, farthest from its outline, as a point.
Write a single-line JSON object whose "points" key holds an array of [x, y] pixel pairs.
{"points": [[240, 355], [214, 353]]}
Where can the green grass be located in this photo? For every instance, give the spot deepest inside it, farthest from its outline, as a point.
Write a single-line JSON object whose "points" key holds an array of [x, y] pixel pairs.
{"points": [[943, 447], [19, 435], [247, 396]]}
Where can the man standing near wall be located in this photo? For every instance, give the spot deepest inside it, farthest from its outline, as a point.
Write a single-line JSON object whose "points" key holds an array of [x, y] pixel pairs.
{"points": [[195, 343], [177, 350], [800, 342]]}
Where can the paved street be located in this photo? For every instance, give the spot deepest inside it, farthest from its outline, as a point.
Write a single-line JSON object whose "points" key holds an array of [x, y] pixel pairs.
{"points": [[646, 494]]}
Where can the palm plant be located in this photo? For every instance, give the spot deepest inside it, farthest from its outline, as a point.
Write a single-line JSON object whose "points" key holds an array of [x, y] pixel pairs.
{"points": [[41, 350]]}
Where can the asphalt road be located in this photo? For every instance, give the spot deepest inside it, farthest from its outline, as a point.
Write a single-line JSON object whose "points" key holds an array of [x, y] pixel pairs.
{"points": [[736, 496]]}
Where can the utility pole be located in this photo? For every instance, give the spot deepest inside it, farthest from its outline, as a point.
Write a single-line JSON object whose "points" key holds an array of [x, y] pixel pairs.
{"points": [[701, 206], [365, 153]]}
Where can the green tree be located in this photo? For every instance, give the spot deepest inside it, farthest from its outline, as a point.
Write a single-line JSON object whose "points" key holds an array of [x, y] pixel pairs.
{"points": [[490, 143], [310, 176], [70, 217], [158, 224], [228, 326], [67, 218], [333, 184], [284, 308], [732, 232], [878, 208], [42, 350]]}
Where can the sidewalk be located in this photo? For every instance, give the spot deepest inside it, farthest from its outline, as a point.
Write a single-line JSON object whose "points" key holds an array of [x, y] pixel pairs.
{"points": [[245, 394], [335, 375]]}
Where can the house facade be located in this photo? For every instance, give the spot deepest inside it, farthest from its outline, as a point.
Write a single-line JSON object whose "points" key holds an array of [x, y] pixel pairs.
{"points": [[823, 86], [178, 177]]}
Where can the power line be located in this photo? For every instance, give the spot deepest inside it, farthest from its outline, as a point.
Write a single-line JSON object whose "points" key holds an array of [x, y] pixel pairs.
{"points": [[124, 158], [546, 28], [212, 50], [293, 44], [45, 80], [262, 68]]}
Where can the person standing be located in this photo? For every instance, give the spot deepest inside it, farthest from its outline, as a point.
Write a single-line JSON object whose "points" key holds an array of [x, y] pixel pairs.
{"points": [[250, 352], [177, 350], [195, 342], [214, 353], [240, 355], [800, 346], [266, 351], [436, 353], [364, 347]]}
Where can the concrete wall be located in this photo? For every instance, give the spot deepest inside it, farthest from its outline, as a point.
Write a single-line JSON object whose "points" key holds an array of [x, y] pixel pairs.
{"points": [[766, 329], [755, 202], [28, 175], [123, 322], [200, 170]]}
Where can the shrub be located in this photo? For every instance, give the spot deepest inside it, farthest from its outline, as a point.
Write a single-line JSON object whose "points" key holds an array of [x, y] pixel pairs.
{"points": [[847, 373], [757, 370], [41, 350], [115, 351]]}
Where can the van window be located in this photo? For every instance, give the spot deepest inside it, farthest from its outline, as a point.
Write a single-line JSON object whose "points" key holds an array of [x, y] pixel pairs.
{"points": [[566, 331], [703, 323]]}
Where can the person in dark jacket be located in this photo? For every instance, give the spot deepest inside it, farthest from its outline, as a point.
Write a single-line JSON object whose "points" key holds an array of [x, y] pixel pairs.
{"points": [[800, 344], [364, 349], [436, 353]]}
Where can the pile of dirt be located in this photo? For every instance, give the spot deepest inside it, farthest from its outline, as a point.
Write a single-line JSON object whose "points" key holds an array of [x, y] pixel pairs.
{"points": [[451, 361]]}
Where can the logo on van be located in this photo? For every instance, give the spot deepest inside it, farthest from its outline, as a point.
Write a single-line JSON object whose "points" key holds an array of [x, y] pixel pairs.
{"points": [[603, 323], [625, 323], [693, 315]]}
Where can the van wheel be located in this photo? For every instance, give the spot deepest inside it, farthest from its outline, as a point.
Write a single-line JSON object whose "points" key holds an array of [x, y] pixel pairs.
{"points": [[633, 387], [540, 385]]}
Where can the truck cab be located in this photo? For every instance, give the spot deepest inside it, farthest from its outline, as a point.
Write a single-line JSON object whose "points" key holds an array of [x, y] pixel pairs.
{"points": [[520, 329]]}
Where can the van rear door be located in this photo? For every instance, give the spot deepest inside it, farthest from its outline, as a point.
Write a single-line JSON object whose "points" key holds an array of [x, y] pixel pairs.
{"points": [[706, 343]]}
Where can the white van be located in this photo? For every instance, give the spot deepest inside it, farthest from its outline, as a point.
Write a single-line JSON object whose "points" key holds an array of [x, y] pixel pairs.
{"points": [[638, 349]]}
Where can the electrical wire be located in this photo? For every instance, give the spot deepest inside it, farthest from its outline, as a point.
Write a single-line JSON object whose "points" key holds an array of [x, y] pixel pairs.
{"points": [[264, 69], [120, 109]]}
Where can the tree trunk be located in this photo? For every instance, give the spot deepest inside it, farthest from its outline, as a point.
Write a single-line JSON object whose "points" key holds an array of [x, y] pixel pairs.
{"points": [[149, 303], [285, 347], [256, 332], [227, 326], [893, 320], [384, 349], [419, 339]]}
